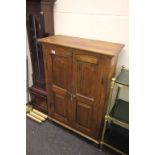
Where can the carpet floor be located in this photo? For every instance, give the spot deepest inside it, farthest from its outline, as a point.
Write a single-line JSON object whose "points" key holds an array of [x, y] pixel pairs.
{"points": [[49, 138]]}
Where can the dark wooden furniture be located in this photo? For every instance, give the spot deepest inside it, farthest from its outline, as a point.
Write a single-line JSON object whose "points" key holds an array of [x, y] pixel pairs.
{"points": [[39, 22], [78, 73]]}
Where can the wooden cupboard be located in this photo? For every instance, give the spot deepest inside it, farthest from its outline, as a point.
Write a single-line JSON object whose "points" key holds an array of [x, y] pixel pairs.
{"points": [[78, 73]]}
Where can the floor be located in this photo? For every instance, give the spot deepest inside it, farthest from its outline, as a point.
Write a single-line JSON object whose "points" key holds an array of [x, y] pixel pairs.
{"points": [[49, 138]]}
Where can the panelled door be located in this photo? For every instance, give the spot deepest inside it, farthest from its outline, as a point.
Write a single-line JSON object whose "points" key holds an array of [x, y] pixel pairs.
{"points": [[75, 89], [86, 92], [61, 83]]}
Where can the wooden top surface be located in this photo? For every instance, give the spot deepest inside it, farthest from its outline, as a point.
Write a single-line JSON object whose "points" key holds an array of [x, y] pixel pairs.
{"points": [[96, 46]]}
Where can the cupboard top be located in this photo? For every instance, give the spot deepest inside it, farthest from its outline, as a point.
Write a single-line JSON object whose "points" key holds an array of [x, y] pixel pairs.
{"points": [[96, 46]]}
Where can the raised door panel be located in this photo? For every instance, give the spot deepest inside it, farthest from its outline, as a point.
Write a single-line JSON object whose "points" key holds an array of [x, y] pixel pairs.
{"points": [[61, 71], [61, 81], [87, 85], [61, 107], [83, 114]]}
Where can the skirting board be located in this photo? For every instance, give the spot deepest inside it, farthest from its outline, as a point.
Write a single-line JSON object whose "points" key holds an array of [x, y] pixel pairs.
{"points": [[70, 128]]}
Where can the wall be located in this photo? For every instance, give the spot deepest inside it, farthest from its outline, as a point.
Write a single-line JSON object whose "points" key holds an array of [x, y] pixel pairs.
{"points": [[30, 82], [94, 19]]}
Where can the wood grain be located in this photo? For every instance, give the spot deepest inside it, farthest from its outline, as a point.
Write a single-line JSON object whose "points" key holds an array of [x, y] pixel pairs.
{"points": [[102, 47], [78, 73]]}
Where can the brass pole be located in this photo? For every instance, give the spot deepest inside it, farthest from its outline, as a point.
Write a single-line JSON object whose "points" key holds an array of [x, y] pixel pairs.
{"points": [[34, 118], [39, 113], [37, 116]]}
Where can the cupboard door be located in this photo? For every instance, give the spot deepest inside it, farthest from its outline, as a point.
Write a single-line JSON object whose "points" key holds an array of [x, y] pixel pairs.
{"points": [[61, 81], [86, 93]]}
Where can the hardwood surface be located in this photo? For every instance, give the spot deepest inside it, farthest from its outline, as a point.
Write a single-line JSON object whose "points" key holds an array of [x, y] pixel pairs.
{"points": [[86, 90], [61, 72], [78, 81], [96, 46]]}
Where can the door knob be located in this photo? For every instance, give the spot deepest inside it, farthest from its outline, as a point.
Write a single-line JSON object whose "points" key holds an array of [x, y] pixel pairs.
{"points": [[74, 96], [70, 95]]}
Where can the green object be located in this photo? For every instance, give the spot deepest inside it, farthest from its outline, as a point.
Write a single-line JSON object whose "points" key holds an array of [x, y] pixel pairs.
{"points": [[123, 77]]}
